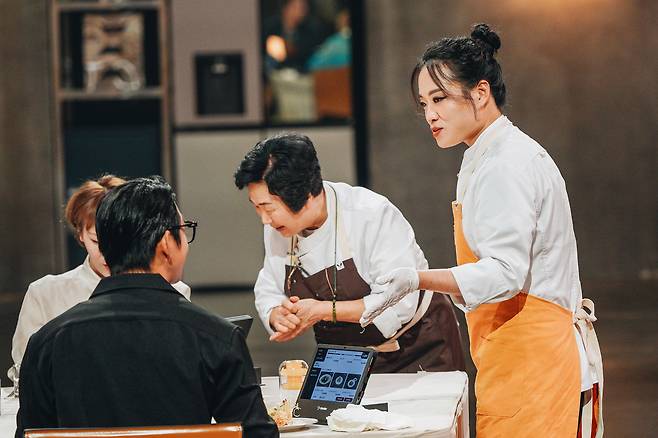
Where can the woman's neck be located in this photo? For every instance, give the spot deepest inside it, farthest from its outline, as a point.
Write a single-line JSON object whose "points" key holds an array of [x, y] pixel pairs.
{"points": [[486, 118], [322, 212]]}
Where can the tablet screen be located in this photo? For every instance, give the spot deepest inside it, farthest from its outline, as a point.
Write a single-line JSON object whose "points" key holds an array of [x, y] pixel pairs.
{"points": [[335, 374]]}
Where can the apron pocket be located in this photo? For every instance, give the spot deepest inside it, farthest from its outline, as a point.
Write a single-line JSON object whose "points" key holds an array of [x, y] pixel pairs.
{"points": [[500, 381]]}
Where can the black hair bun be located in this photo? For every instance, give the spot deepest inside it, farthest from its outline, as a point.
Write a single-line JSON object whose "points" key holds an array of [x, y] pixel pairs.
{"points": [[489, 39]]}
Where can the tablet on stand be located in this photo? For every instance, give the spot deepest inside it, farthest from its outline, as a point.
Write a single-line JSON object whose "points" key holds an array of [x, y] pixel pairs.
{"points": [[337, 377]]}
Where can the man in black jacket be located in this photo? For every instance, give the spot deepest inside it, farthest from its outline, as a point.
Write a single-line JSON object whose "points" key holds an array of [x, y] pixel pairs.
{"points": [[137, 353]]}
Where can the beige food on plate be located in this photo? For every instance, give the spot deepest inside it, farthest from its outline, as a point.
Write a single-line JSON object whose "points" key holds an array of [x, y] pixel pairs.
{"points": [[281, 413]]}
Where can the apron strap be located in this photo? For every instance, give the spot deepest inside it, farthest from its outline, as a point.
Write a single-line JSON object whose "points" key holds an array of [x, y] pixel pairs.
{"points": [[392, 343], [584, 318]]}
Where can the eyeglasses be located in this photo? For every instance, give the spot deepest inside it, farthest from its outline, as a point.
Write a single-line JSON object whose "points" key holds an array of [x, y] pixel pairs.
{"points": [[189, 227]]}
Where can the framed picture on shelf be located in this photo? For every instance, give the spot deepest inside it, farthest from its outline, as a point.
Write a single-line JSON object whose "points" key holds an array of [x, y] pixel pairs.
{"points": [[112, 49]]}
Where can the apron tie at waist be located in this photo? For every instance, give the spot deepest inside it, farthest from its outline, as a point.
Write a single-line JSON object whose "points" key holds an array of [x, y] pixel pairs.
{"points": [[387, 347], [585, 312], [584, 318], [592, 413]]}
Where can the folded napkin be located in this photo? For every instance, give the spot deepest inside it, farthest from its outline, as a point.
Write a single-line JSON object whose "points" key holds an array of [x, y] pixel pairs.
{"points": [[356, 418]]}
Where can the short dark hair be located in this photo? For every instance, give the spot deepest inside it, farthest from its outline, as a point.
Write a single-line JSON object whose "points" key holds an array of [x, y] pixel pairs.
{"points": [[131, 219], [289, 166], [465, 60]]}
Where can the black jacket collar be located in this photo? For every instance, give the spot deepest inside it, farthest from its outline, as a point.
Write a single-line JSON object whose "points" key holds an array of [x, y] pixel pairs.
{"points": [[133, 281]]}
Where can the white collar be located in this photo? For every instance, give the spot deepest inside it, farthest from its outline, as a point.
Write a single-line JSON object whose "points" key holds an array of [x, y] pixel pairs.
{"points": [[474, 154], [89, 274], [490, 132]]}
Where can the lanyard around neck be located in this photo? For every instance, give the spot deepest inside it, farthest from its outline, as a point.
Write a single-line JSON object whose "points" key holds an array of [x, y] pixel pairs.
{"points": [[294, 258]]}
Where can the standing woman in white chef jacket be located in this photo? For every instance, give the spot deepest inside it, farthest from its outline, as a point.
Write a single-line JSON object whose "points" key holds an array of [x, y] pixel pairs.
{"points": [[50, 296], [517, 276]]}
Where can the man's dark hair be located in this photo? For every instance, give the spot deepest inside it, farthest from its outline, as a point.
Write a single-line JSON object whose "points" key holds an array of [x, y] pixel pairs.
{"points": [[289, 166], [131, 219]]}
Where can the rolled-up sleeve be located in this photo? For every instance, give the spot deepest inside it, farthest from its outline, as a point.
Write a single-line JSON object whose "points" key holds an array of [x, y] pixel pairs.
{"points": [[499, 224], [390, 243]]}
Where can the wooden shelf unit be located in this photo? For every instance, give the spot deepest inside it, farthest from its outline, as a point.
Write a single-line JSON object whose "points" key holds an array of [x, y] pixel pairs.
{"points": [[73, 106]]}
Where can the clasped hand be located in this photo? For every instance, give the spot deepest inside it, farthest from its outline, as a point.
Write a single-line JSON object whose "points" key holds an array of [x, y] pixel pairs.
{"points": [[294, 316]]}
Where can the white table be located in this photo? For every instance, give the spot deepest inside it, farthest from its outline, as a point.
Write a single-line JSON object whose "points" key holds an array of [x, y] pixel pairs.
{"points": [[7, 414], [437, 402]]}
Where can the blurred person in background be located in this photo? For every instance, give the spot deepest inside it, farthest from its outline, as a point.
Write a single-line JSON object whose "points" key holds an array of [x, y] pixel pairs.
{"points": [[336, 50], [292, 36]]}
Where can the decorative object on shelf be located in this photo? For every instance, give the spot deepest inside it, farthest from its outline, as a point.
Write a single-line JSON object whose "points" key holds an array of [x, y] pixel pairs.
{"points": [[112, 52]]}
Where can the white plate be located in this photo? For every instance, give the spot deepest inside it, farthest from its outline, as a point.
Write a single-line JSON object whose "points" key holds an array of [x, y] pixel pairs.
{"points": [[297, 424]]}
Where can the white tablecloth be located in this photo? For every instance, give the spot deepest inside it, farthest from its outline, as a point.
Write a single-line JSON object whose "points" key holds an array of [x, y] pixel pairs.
{"points": [[9, 407], [437, 402]]}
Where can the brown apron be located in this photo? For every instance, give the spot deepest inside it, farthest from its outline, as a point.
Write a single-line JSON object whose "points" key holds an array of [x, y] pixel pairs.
{"points": [[432, 344]]}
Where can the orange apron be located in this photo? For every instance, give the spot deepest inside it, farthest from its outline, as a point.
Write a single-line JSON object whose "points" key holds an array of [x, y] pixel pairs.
{"points": [[528, 372]]}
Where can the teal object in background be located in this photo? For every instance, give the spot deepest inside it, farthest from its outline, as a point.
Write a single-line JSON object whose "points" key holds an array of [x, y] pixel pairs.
{"points": [[335, 52]]}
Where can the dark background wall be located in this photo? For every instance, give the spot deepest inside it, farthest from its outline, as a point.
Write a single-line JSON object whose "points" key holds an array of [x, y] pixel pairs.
{"points": [[582, 80], [27, 210]]}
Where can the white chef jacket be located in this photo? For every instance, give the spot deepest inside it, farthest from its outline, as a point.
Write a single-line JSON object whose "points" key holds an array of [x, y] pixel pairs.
{"points": [[517, 220], [379, 237], [52, 295]]}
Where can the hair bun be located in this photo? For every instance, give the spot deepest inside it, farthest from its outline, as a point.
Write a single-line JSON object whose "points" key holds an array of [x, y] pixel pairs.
{"points": [[488, 38]]}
